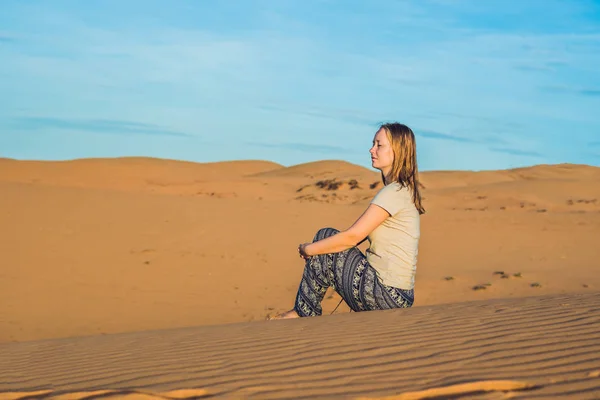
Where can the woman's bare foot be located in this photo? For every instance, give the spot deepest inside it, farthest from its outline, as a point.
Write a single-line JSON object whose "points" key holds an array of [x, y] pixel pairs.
{"points": [[286, 315]]}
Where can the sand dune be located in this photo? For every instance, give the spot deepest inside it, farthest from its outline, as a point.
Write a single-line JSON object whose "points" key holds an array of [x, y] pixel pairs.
{"points": [[326, 169], [132, 174], [141, 278], [115, 245], [542, 347]]}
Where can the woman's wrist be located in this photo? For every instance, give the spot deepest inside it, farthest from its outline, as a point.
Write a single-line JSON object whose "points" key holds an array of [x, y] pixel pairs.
{"points": [[302, 250], [305, 248], [306, 251]]}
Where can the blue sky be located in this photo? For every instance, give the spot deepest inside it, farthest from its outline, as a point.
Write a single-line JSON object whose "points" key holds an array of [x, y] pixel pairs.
{"points": [[484, 84]]}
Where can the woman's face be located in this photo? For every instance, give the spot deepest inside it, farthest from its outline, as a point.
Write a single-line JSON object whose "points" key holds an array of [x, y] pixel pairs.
{"points": [[382, 155]]}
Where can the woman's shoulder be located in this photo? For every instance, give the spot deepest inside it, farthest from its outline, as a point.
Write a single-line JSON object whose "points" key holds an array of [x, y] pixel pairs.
{"points": [[392, 193], [394, 187], [396, 196]]}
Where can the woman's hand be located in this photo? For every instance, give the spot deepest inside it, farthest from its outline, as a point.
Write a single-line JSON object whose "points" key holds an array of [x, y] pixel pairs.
{"points": [[302, 250]]}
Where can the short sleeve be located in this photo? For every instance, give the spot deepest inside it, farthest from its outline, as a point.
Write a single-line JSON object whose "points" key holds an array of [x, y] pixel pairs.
{"points": [[390, 198]]}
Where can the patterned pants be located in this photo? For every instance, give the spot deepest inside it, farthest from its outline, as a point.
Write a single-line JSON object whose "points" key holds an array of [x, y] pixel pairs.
{"points": [[349, 273]]}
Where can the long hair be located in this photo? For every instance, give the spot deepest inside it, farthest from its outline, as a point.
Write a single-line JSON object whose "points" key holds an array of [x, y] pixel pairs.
{"points": [[404, 168]]}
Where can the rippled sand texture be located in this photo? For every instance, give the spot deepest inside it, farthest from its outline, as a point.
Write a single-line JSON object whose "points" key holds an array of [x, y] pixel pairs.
{"points": [[540, 347]]}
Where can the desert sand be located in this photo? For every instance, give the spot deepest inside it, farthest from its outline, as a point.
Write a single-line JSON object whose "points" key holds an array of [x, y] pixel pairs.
{"points": [[483, 349], [139, 277]]}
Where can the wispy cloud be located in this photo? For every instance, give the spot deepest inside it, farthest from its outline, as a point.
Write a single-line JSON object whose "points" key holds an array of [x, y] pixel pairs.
{"points": [[93, 125], [346, 115], [590, 92], [303, 147], [515, 152], [583, 91], [499, 122], [6, 39], [547, 66], [443, 136]]}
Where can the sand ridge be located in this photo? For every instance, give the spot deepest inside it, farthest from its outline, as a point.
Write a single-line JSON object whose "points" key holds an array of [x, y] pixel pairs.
{"points": [[186, 394], [453, 391], [536, 347]]}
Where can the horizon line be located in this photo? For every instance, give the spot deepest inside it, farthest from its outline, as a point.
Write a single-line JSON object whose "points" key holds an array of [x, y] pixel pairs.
{"points": [[284, 165]]}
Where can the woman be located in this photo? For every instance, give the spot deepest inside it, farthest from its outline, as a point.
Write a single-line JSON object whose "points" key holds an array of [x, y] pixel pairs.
{"points": [[384, 277]]}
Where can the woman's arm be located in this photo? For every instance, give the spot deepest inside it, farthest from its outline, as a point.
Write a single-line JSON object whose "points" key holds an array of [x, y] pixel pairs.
{"points": [[364, 225]]}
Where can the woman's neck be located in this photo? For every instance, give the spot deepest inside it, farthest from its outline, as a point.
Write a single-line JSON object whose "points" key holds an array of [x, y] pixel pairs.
{"points": [[387, 180], [385, 173]]}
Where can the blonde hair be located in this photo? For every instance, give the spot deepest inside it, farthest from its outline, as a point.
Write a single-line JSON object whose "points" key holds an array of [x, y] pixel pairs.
{"points": [[404, 168]]}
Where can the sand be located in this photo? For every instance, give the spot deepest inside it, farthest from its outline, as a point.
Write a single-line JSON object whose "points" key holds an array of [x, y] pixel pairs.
{"points": [[531, 348], [114, 267]]}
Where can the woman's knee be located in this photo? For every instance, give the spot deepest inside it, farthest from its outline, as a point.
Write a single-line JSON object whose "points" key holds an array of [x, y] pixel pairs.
{"points": [[325, 232]]}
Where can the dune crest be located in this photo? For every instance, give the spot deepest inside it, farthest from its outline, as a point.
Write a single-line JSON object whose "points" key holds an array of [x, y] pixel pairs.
{"points": [[320, 169], [127, 173]]}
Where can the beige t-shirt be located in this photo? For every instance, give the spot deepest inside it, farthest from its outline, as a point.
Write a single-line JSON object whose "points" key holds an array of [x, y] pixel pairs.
{"points": [[394, 244]]}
